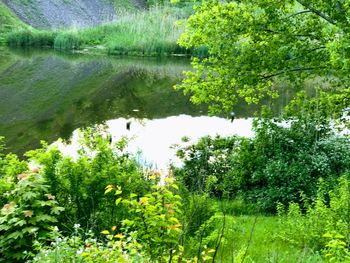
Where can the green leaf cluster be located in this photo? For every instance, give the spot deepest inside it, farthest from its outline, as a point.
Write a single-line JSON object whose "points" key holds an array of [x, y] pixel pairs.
{"points": [[282, 161], [78, 183], [155, 220], [324, 224], [252, 45], [27, 217]]}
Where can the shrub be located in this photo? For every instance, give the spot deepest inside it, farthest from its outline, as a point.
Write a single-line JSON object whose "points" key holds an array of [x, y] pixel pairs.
{"points": [[277, 165], [280, 163], [325, 223], [154, 220], [27, 217], [151, 232], [10, 167], [206, 165], [79, 183]]}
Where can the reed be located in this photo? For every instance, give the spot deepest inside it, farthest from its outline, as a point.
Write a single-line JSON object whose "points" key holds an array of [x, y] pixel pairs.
{"points": [[147, 33], [30, 38]]}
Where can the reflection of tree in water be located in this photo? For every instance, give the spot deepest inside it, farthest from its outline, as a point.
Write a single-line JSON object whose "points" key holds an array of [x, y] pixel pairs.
{"points": [[59, 94], [64, 95], [151, 94]]}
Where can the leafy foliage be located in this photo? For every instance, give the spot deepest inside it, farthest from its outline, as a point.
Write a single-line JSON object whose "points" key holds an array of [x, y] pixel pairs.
{"points": [[154, 220], [151, 233], [10, 167], [206, 165], [280, 163], [254, 44], [325, 223], [27, 217], [79, 183]]}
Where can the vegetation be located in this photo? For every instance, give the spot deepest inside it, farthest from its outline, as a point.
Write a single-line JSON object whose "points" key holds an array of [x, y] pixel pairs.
{"points": [[254, 44], [325, 223], [102, 205], [281, 196], [8, 22], [279, 165], [152, 32]]}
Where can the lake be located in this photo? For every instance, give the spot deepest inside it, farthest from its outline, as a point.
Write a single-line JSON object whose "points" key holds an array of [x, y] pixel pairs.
{"points": [[46, 96]]}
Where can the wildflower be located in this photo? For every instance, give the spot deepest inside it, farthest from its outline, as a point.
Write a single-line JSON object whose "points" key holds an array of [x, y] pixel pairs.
{"points": [[171, 211], [50, 197], [76, 226], [22, 177], [35, 170], [28, 213], [8, 206]]}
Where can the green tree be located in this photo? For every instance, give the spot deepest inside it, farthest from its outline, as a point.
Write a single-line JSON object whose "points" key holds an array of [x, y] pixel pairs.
{"points": [[252, 44]]}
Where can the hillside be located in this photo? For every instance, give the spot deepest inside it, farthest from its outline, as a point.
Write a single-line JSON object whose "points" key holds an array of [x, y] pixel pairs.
{"points": [[49, 14], [8, 20]]}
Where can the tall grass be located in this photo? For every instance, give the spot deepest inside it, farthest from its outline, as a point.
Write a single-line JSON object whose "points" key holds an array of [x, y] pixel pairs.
{"points": [[31, 38], [153, 32], [149, 33]]}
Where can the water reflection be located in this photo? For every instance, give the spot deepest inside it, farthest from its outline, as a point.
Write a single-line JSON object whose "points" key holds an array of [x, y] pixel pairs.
{"points": [[44, 96], [155, 137], [47, 95]]}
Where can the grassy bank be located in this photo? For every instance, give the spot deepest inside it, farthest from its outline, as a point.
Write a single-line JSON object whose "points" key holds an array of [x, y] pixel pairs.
{"points": [[8, 22], [148, 33]]}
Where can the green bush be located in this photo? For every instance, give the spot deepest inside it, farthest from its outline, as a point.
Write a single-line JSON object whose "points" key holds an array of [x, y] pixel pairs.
{"points": [[27, 217], [10, 167], [151, 233], [154, 219], [277, 165], [281, 163], [79, 183], [206, 165], [325, 223]]}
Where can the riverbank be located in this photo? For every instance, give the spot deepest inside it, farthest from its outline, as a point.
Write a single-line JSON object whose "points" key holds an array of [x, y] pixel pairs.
{"points": [[152, 32]]}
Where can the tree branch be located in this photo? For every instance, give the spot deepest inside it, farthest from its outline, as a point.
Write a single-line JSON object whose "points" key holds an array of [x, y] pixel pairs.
{"points": [[299, 13], [291, 70], [291, 34], [317, 12]]}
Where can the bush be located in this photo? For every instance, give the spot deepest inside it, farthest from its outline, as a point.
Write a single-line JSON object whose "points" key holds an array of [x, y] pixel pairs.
{"points": [[27, 217], [277, 165], [79, 183], [151, 233], [10, 167], [281, 163], [325, 224], [154, 219], [206, 165]]}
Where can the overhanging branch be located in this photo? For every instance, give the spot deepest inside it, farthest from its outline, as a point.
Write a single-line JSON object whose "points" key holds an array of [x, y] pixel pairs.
{"points": [[317, 12], [290, 70]]}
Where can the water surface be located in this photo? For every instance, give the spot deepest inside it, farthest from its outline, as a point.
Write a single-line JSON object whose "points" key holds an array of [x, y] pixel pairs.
{"points": [[48, 95]]}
